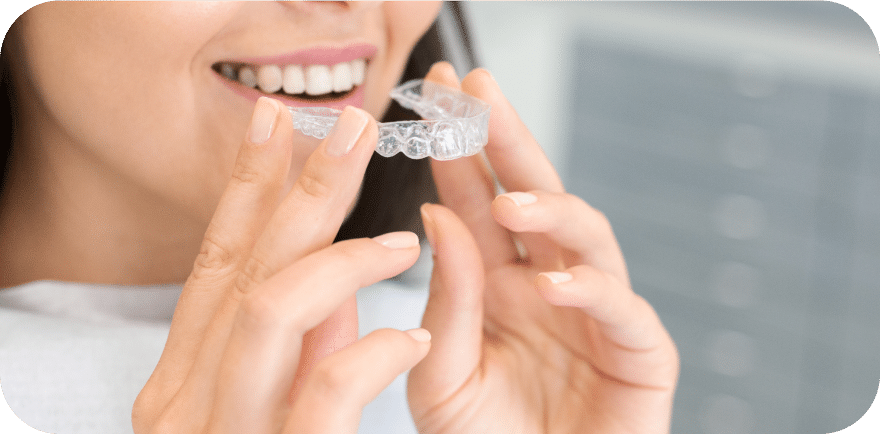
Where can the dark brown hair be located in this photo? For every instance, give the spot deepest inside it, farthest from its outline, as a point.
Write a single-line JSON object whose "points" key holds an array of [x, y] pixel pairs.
{"points": [[393, 188]]}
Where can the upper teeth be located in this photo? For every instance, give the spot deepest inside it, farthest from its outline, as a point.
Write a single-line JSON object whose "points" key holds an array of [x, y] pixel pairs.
{"points": [[298, 79]]}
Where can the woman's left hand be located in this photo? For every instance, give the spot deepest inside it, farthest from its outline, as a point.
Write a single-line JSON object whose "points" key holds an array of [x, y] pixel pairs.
{"points": [[535, 326]]}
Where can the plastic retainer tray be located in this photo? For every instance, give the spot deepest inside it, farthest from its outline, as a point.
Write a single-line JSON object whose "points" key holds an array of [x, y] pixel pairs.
{"points": [[456, 124]]}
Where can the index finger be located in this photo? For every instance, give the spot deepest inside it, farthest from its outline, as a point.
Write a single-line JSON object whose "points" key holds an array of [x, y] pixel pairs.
{"points": [[519, 162], [306, 221], [314, 209], [262, 165]]}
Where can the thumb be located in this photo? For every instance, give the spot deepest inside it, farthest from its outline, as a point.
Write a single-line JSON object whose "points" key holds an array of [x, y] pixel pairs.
{"points": [[335, 392]]}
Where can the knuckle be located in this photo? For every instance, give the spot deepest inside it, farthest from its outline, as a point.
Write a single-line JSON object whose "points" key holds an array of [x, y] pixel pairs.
{"points": [[245, 174], [352, 252], [253, 272], [313, 183], [596, 216], [332, 381], [576, 202], [213, 257], [260, 312]]}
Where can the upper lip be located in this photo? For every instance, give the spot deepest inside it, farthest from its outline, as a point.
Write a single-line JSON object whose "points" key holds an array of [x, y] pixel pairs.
{"points": [[320, 55]]}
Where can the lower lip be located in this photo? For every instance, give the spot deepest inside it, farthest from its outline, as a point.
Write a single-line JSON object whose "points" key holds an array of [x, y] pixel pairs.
{"points": [[355, 99]]}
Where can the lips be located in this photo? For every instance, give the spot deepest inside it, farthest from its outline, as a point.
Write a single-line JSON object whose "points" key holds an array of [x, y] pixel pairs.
{"points": [[329, 77]]}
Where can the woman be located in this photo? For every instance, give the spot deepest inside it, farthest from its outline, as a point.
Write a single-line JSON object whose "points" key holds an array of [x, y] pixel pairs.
{"points": [[531, 324]]}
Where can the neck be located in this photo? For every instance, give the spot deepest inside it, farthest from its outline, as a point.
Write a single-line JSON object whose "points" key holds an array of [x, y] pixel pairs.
{"points": [[65, 216]]}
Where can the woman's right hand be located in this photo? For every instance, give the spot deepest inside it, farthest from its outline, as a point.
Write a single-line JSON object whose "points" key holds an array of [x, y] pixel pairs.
{"points": [[264, 336]]}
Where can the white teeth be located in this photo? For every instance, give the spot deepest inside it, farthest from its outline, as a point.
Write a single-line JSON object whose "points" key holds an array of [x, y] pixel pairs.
{"points": [[294, 80], [247, 77], [269, 78], [342, 77], [358, 68], [298, 79], [318, 80]]}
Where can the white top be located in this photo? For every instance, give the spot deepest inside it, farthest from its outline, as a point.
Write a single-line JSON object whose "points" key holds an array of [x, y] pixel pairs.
{"points": [[73, 357]]}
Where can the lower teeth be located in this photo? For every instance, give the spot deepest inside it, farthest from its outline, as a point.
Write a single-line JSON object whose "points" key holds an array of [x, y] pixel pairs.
{"points": [[331, 95]]}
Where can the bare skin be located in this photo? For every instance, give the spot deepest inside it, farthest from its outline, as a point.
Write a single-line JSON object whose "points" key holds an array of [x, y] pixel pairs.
{"points": [[546, 338]]}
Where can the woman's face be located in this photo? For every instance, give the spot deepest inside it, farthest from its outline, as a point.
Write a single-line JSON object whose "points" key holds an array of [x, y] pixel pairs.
{"points": [[139, 88]]}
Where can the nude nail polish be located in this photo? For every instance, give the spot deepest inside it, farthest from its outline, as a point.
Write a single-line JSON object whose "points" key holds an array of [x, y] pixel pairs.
{"points": [[263, 121], [346, 131]]}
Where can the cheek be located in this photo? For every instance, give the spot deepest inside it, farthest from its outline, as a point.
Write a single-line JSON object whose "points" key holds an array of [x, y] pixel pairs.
{"points": [[119, 82], [404, 25], [408, 21], [112, 58]]}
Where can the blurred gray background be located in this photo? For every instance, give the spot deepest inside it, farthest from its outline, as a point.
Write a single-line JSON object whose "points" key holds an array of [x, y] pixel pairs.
{"points": [[735, 148]]}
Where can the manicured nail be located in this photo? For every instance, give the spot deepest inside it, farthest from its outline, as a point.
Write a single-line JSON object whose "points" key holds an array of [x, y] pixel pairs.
{"points": [[347, 131], [263, 120], [428, 224], [398, 240], [420, 335], [558, 276], [521, 198]]}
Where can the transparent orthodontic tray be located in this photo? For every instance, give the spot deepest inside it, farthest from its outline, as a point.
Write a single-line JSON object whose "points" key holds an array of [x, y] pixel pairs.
{"points": [[455, 124]]}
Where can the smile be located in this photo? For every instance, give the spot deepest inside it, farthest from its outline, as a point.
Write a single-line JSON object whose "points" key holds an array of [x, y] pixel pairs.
{"points": [[314, 82]]}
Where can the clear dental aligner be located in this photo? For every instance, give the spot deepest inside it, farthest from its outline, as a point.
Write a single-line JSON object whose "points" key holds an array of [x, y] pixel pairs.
{"points": [[456, 124]]}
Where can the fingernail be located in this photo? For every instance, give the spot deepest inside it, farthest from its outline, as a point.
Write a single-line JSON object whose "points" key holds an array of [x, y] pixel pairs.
{"points": [[345, 133], [428, 224], [398, 240], [521, 198], [558, 276], [420, 335], [263, 120]]}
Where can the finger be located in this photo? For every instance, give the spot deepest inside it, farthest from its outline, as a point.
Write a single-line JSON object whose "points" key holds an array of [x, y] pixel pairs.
{"points": [[629, 344], [339, 330], [454, 313], [341, 327], [261, 359], [566, 221], [253, 193], [467, 187], [622, 316], [302, 223], [336, 391], [311, 214], [518, 160]]}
